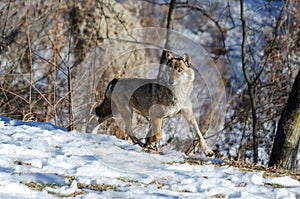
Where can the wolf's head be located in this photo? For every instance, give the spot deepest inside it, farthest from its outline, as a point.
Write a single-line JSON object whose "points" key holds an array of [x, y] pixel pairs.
{"points": [[179, 71]]}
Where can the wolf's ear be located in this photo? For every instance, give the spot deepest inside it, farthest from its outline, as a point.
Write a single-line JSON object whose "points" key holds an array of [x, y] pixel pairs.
{"points": [[169, 55], [187, 59]]}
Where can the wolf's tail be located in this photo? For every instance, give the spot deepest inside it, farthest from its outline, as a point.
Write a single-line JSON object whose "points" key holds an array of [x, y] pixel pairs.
{"points": [[103, 111], [110, 88]]}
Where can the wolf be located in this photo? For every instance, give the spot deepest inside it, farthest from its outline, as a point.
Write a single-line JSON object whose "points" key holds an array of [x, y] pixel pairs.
{"points": [[154, 99]]}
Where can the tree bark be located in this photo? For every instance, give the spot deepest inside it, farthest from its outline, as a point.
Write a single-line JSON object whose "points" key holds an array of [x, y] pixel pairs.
{"points": [[170, 21], [287, 138]]}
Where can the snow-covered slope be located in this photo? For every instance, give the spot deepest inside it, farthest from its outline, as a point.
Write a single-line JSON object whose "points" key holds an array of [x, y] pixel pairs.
{"points": [[40, 160]]}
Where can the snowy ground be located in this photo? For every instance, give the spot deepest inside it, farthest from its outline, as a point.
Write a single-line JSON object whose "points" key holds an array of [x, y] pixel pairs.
{"points": [[58, 164]]}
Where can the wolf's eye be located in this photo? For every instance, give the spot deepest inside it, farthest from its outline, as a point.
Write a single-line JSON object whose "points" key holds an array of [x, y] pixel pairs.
{"points": [[180, 70]]}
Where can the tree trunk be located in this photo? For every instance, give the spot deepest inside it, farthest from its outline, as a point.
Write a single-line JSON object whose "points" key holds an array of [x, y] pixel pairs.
{"points": [[251, 84], [170, 21], [287, 138]]}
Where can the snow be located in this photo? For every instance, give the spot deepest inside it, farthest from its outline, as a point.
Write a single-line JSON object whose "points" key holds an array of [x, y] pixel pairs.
{"points": [[66, 163]]}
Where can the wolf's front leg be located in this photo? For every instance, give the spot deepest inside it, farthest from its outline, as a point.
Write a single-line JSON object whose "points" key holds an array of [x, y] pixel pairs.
{"points": [[155, 135], [188, 115]]}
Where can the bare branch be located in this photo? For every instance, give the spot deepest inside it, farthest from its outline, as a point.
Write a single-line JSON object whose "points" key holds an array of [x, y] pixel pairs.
{"points": [[206, 14]]}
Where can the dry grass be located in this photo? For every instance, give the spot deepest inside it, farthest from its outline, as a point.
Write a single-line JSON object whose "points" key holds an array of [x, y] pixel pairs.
{"points": [[243, 166]]}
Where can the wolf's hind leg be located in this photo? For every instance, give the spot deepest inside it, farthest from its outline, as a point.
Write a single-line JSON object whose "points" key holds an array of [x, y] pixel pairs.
{"points": [[127, 117], [156, 131]]}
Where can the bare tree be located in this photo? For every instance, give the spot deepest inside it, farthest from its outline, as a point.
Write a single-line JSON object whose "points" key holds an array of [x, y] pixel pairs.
{"points": [[170, 22], [287, 139], [250, 83], [41, 51], [253, 75]]}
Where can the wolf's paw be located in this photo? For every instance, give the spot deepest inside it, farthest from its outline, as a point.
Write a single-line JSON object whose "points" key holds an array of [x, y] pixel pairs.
{"points": [[208, 152], [153, 149], [150, 142]]}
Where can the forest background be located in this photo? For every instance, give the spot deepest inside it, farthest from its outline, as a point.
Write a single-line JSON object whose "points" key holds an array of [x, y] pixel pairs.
{"points": [[55, 65]]}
